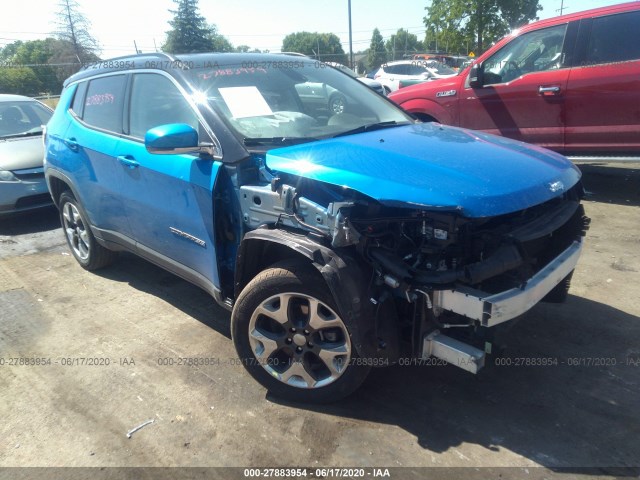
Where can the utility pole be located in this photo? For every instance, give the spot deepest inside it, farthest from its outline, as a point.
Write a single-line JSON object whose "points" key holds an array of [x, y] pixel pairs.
{"points": [[562, 7], [350, 40]]}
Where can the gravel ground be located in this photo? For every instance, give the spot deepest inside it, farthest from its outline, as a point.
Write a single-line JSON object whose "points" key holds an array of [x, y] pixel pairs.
{"points": [[133, 318]]}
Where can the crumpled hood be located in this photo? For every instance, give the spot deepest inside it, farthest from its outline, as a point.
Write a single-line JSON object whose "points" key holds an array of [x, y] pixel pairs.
{"points": [[433, 166], [21, 153]]}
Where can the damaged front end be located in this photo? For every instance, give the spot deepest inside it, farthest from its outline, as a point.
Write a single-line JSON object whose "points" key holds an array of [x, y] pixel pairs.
{"points": [[430, 280]]}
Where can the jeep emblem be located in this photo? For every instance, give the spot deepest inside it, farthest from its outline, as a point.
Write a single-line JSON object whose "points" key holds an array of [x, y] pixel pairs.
{"points": [[556, 186]]}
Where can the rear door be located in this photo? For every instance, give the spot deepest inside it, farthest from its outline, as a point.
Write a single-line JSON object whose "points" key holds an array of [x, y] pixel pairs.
{"points": [[168, 198], [89, 152], [524, 90], [603, 92]]}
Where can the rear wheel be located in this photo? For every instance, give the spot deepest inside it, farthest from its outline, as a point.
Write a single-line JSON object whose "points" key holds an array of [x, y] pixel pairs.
{"points": [[89, 254], [337, 104], [291, 338]]}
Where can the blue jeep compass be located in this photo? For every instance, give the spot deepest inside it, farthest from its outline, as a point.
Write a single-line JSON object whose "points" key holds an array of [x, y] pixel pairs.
{"points": [[340, 240]]}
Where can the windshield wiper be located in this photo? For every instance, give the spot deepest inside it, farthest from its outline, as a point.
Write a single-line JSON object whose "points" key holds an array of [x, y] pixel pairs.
{"points": [[277, 141], [370, 127], [23, 134]]}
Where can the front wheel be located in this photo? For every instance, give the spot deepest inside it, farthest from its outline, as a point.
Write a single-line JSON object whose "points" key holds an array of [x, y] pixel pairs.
{"points": [[560, 292], [291, 338]]}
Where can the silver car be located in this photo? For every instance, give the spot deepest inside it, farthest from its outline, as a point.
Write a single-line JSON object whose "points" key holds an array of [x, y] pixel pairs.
{"points": [[22, 184]]}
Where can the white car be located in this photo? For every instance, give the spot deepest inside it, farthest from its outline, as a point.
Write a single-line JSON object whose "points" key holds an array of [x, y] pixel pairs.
{"points": [[372, 84], [390, 74]]}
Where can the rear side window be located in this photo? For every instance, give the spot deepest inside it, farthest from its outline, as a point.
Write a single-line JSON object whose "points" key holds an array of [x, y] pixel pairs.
{"points": [[78, 99], [416, 70], [614, 38], [155, 101], [103, 103], [396, 69]]}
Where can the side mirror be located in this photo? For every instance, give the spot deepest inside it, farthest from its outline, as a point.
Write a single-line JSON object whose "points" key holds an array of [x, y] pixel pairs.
{"points": [[476, 76], [174, 139]]}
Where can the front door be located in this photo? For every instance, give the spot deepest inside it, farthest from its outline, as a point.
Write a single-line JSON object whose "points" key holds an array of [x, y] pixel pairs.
{"points": [[168, 198], [523, 93]]}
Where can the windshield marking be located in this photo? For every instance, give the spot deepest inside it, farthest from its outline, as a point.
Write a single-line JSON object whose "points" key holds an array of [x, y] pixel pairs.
{"points": [[245, 102]]}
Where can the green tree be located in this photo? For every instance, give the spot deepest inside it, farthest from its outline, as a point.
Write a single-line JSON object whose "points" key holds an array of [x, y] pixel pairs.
{"points": [[462, 25], [219, 43], [519, 12], [7, 53], [323, 46], [73, 28], [189, 30], [247, 49], [402, 43], [64, 60], [19, 81], [51, 60], [37, 54], [377, 53]]}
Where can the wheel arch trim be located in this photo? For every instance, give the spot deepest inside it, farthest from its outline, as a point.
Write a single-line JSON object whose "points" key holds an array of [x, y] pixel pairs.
{"points": [[342, 274]]}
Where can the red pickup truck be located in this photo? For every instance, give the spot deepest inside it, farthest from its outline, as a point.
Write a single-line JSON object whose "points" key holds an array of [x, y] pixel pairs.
{"points": [[569, 83]]}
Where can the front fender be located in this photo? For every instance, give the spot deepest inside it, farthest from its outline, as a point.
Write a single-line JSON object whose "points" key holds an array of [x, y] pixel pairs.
{"points": [[429, 107], [346, 278]]}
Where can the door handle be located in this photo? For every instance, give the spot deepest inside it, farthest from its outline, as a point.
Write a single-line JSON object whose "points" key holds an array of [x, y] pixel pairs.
{"points": [[128, 161], [549, 90], [72, 144]]}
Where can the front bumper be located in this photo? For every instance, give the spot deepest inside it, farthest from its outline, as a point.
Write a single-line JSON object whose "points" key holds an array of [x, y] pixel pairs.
{"points": [[493, 309], [25, 194]]}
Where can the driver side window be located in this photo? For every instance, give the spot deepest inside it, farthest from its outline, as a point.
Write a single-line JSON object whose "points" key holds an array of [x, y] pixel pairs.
{"points": [[536, 51], [155, 100]]}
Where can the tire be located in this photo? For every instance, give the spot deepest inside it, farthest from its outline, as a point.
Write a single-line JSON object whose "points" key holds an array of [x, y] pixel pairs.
{"points": [[290, 338], [423, 117], [337, 104], [83, 245], [560, 292]]}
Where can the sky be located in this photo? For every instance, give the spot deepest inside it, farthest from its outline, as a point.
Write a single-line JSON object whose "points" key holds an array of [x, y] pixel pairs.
{"points": [[116, 24]]}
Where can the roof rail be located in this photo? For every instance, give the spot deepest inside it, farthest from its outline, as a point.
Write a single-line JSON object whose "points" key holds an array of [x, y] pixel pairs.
{"points": [[168, 56]]}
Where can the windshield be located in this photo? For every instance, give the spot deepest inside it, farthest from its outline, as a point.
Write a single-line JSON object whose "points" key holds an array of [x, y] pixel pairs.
{"points": [[299, 99], [20, 118], [343, 69], [439, 68]]}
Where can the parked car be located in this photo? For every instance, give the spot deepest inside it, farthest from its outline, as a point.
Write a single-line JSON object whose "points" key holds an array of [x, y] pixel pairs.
{"points": [[372, 84], [390, 74], [22, 184], [455, 62], [410, 82], [438, 70], [323, 98], [569, 83], [338, 243]]}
